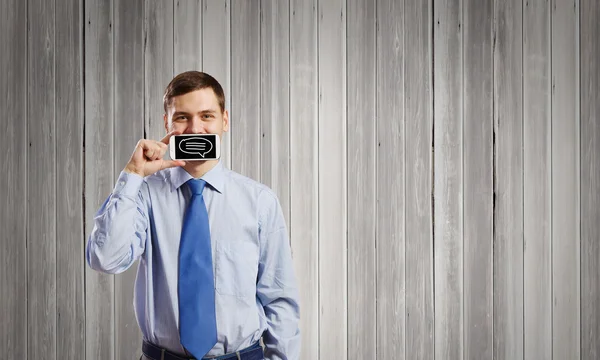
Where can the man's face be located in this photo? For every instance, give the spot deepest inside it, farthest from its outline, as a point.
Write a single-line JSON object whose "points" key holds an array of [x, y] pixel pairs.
{"points": [[197, 112]]}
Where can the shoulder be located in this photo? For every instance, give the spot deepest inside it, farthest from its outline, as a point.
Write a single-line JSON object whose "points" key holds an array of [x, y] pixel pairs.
{"points": [[264, 196]]}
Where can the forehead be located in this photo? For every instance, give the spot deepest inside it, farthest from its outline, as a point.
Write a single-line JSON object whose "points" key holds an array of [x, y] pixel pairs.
{"points": [[197, 100]]}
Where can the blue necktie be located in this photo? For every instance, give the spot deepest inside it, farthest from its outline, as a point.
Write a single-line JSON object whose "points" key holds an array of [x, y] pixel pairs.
{"points": [[197, 320]]}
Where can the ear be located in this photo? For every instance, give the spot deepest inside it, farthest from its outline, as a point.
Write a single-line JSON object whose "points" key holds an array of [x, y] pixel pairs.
{"points": [[225, 121], [166, 119]]}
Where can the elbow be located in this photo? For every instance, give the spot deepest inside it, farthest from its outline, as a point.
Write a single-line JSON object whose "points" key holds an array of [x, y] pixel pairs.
{"points": [[106, 261]]}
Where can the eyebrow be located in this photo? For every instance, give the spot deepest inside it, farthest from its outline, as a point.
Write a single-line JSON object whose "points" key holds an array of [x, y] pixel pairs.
{"points": [[176, 113]]}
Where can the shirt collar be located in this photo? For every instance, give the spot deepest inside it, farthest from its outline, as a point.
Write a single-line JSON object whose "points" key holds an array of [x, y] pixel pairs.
{"points": [[215, 177]]}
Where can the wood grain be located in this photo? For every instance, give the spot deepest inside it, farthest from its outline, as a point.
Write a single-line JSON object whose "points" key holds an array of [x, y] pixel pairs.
{"points": [[332, 155], [70, 294], [99, 179], [187, 35], [448, 179], [508, 181], [566, 322], [245, 88], [41, 182], [417, 95], [590, 179], [361, 153], [304, 168], [13, 184], [537, 181], [128, 130]]}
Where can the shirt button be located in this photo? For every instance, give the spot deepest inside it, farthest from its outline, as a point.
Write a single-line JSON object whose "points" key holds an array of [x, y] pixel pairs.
{"points": [[122, 182]]}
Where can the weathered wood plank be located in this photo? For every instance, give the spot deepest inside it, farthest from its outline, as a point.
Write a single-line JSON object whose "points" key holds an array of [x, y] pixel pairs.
{"points": [[331, 32], [508, 183], [536, 177], [566, 322], [275, 100], [70, 294], [187, 47], [13, 184], [245, 88], [304, 191], [418, 102], [99, 180], [128, 129], [159, 65], [361, 153], [590, 179], [41, 182], [216, 56], [478, 124], [448, 179]]}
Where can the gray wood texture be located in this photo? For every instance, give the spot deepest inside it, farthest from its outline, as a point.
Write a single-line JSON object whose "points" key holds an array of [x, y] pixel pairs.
{"points": [[158, 65], [70, 294], [99, 179], [390, 218], [41, 183], [216, 56], [13, 184], [448, 179], [332, 158], [537, 271], [566, 322], [304, 168], [245, 88], [416, 90], [590, 178], [128, 129], [477, 134], [187, 35], [275, 101], [361, 170], [436, 162], [508, 181]]}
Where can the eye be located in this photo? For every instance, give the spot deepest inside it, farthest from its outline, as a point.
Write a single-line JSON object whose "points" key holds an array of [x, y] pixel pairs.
{"points": [[180, 117]]}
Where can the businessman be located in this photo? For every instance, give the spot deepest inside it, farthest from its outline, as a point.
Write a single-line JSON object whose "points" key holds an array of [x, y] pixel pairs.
{"points": [[215, 275]]}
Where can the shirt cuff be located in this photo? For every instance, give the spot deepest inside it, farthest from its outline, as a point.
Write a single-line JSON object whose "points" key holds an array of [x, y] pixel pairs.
{"points": [[128, 184]]}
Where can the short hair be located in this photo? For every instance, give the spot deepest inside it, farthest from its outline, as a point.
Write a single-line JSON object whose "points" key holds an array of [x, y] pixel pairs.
{"points": [[191, 81]]}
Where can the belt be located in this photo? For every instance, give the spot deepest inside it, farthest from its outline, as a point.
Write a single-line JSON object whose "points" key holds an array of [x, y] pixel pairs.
{"points": [[254, 352]]}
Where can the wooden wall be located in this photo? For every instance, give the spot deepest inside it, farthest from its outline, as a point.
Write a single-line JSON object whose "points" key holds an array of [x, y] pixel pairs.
{"points": [[437, 162]]}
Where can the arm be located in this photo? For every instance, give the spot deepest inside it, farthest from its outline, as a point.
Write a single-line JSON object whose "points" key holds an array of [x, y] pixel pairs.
{"points": [[119, 234], [276, 286]]}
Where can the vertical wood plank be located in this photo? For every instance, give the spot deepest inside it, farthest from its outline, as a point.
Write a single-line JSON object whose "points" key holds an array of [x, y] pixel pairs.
{"points": [[158, 68], [477, 178], [275, 100], [14, 91], [565, 181], [128, 129], [41, 182], [333, 324], [70, 306], [245, 88], [590, 179], [361, 152], [418, 133], [98, 148], [448, 179], [187, 22], [508, 181], [216, 56], [304, 169], [536, 186]]}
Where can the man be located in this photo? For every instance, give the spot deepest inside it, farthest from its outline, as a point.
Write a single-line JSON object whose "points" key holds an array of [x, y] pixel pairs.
{"points": [[171, 215]]}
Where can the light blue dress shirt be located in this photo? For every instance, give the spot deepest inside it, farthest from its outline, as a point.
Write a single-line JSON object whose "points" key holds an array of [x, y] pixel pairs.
{"points": [[255, 286]]}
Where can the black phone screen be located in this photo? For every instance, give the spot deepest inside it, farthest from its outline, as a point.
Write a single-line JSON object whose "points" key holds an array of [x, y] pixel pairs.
{"points": [[200, 146]]}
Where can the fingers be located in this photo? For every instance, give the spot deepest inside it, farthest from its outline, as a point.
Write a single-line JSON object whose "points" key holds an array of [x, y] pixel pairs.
{"points": [[153, 150], [165, 140], [172, 163]]}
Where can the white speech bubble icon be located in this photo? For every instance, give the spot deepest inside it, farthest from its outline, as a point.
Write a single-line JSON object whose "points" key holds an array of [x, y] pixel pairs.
{"points": [[196, 145]]}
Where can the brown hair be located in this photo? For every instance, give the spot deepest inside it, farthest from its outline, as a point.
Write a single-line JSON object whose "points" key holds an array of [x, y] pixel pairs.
{"points": [[191, 81]]}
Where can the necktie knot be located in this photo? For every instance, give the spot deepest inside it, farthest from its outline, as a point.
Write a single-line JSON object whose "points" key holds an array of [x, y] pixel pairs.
{"points": [[196, 186]]}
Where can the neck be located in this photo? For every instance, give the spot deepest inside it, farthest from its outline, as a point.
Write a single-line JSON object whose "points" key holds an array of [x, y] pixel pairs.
{"points": [[198, 168]]}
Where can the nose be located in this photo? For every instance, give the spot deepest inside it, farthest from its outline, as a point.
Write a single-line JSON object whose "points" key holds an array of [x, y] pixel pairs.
{"points": [[196, 126]]}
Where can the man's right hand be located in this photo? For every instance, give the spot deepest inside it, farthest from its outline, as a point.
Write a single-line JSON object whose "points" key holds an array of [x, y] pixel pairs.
{"points": [[148, 155]]}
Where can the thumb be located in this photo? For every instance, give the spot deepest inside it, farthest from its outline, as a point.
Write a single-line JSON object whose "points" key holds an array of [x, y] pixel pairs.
{"points": [[172, 163]]}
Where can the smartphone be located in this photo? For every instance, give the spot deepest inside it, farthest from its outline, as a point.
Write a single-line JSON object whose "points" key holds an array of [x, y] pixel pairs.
{"points": [[189, 147]]}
